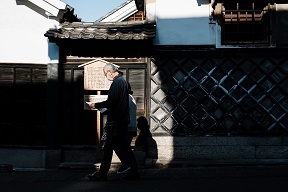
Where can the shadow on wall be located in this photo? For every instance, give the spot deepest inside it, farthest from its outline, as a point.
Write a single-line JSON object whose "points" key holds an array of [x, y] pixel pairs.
{"points": [[203, 2], [53, 51], [192, 31], [145, 150], [23, 85]]}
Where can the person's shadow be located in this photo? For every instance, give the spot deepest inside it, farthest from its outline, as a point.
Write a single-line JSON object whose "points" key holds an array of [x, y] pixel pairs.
{"points": [[145, 150], [151, 153]]}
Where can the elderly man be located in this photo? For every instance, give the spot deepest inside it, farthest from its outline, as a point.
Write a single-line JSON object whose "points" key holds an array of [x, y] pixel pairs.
{"points": [[116, 127]]}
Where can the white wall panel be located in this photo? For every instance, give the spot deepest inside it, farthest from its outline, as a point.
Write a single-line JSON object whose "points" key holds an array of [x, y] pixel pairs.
{"points": [[22, 35], [184, 22]]}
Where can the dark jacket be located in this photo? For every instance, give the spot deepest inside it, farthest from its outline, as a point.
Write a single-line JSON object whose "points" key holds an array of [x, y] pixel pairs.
{"points": [[117, 102]]}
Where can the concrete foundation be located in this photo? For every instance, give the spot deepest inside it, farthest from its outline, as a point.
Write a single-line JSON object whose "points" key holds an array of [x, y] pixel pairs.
{"points": [[170, 150]]}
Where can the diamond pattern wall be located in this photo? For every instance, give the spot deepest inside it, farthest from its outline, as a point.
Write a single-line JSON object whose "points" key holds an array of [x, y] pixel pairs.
{"points": [[200, 96]]}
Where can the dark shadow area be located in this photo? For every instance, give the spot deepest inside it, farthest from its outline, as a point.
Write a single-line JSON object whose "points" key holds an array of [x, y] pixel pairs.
{"points": [[23, 104], [53, 51], [77, 126], [145, 150], [203, 2]]}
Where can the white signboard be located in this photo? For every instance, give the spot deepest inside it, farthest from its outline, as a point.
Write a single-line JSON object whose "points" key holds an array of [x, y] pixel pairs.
{"points": [[94, 78], [93, 99]]}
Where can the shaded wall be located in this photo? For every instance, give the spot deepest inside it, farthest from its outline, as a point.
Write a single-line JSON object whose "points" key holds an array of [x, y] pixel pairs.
{"points": [[23, 102], [27, 118]]}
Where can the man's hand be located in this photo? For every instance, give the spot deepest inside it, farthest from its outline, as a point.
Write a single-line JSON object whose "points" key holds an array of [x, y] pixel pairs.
{"points": [[91, 105]]}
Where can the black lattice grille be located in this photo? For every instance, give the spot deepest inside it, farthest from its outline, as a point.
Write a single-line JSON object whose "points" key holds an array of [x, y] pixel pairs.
{"points": [[219, 96]]}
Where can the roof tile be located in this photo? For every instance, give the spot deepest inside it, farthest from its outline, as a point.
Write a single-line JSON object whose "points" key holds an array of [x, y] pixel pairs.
{"points": [[135, 30]]}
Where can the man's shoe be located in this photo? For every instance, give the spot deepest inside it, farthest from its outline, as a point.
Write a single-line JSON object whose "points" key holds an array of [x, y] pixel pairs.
{"points": [[97, 177], [124, 170]]}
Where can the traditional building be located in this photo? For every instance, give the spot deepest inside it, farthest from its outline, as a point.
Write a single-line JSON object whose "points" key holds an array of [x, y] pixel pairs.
{"points": [[210, 76]]}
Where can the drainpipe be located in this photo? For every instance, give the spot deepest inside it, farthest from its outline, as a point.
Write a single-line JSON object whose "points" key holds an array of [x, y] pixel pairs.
{"points": [[150, 8]]}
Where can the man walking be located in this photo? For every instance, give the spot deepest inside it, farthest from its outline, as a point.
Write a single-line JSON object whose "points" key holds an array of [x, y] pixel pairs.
{"points": [[116, 127]]}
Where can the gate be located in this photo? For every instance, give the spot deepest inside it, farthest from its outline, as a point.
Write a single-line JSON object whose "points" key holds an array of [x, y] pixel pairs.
{"points": [[78, 126]]}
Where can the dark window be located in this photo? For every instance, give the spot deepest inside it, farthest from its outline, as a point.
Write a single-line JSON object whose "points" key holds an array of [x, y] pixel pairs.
{"points": [[245, 23]]}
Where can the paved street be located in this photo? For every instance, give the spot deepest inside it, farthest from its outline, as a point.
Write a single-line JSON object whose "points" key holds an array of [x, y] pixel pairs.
{"points": [[198, 179]]}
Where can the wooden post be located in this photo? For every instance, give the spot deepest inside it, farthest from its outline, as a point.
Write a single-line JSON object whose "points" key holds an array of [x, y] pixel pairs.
{"points": [[98, 125]]}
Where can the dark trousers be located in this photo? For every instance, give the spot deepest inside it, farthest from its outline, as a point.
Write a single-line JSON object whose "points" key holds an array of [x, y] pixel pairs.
{"points": [[122, 149]]}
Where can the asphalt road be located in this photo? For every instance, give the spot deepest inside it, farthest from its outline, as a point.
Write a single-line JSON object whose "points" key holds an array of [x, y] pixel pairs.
{"points": [[196, 179]]}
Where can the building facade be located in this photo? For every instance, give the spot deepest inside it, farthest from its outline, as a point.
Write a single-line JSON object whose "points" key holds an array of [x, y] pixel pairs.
{"points": [[211, 77]]}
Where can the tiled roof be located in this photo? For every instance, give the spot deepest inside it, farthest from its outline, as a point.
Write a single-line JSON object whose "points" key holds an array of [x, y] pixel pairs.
{"points": [[69, 16], [135, 30]]}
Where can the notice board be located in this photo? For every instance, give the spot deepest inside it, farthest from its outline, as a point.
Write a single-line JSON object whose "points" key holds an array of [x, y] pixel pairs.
{"points": [[94, 78]]}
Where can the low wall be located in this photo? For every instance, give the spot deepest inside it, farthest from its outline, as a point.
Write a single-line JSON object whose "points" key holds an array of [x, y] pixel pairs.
{"points": [[23, 157], [225, 148], [177, 150]]}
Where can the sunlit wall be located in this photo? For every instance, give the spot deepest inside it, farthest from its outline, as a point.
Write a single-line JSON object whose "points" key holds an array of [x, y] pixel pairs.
{"points": [[22, 34], [184, 22]]}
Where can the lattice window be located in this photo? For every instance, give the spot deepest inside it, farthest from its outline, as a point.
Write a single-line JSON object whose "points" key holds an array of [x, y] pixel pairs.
{"points": [[138, 16], [244, 23]]}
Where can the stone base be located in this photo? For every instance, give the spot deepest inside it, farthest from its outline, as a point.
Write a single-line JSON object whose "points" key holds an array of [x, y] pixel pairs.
{"points": [[167, 150]]}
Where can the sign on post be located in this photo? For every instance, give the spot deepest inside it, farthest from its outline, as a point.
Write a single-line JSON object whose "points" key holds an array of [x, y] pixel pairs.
{"points": [[94, 78]]}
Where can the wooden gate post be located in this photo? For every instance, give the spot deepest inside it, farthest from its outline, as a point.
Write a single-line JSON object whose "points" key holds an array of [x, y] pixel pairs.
{"points": [[98, 126]]}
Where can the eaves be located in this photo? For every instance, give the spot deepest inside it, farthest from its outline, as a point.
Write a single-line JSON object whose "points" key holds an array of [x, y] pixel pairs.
{"points": [[135, 30]]}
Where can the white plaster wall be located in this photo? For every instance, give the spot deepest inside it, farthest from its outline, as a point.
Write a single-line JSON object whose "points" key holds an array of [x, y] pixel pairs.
{"points": [[184, 22], [22, 35]]}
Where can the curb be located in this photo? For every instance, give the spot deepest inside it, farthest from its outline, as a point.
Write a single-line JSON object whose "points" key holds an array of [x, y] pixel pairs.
{"points": [[6, 167]]}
